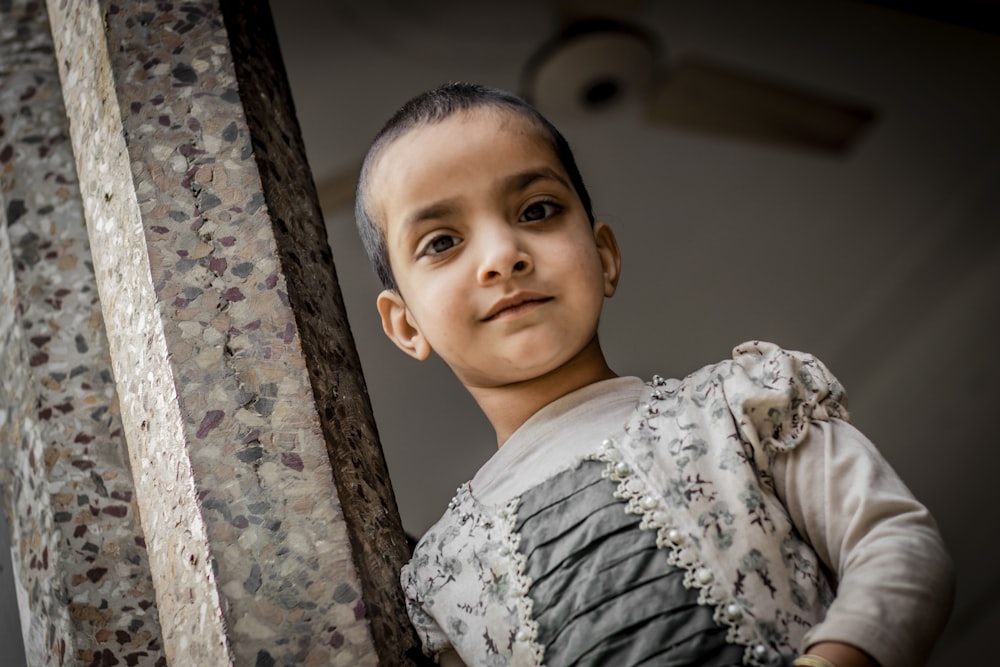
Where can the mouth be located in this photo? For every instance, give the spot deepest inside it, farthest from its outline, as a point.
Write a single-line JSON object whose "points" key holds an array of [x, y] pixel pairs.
{"points": [[514, 305]]}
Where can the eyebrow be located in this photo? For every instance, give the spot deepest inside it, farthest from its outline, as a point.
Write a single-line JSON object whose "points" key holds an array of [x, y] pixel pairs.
{"points": [[520, 181], [436, 210], [513, 183]]}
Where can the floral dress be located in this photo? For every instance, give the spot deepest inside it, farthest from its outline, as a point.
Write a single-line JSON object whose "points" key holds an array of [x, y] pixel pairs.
{"points": [[665, 543]]}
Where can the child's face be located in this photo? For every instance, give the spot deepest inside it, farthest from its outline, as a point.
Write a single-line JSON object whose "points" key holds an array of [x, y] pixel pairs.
{"points": [[498, 267]]}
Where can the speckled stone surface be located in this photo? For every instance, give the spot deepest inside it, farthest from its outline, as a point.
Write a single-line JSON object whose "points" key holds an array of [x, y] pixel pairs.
{"points": [[86, 592], [345, 413], [254, 558], [25, 492]]}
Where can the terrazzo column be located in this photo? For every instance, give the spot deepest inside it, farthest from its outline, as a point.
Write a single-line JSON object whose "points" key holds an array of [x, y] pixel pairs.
{"points": [[271, 528], [81, 572]]}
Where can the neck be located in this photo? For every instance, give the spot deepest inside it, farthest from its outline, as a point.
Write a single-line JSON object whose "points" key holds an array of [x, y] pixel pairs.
{"points": [[508, 406]]}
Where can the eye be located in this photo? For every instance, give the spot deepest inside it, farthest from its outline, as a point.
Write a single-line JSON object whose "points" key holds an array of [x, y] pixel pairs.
{"points": [[439, 244], [540, 211]]}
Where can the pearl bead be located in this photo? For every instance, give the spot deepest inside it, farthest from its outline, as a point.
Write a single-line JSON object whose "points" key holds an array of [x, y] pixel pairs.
{"points": [[704, 575], [675, 536], [760, 650], [734, 612], [648, 502], [621, 468]]}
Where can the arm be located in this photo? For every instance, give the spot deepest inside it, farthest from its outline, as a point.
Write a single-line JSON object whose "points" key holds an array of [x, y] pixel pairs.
{"points": [[842, 655], [895, 579]]}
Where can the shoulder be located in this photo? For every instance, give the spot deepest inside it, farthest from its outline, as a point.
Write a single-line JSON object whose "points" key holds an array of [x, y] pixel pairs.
{"points": [[443, 540], [769, 392], [434, 573], [777, 392]]}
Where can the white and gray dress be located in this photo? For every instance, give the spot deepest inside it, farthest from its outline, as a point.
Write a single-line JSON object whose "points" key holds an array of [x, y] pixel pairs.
{"points": [[706, 521]]}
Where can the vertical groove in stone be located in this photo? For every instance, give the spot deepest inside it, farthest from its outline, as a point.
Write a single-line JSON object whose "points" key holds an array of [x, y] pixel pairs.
{"points": [[359, 468], [22, 480], [83, 564], [22, 449]]}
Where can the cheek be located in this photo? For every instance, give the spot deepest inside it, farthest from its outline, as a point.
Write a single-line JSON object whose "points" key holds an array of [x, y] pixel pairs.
{"points": [[584, 261], [440, 310], [582, 266]]}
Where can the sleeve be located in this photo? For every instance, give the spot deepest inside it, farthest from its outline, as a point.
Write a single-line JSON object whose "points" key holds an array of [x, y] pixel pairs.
{"points": [[776, 393], [895, 580], [432, 637]]}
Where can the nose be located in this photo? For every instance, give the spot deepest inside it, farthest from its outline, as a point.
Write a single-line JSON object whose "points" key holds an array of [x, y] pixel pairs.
{"points": [[502, 256]]}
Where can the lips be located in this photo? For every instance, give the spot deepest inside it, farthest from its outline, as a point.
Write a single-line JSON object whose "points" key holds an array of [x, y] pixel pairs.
{"points": [[514, 303]]}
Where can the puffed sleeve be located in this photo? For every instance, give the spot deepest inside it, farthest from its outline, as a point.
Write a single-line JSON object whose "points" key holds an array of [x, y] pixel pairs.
{"points": [[895, 579], [433, 639], [776, 393]]}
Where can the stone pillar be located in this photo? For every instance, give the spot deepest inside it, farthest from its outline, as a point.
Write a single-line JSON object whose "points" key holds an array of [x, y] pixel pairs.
{"points": [[80, 565], [270, 524]]}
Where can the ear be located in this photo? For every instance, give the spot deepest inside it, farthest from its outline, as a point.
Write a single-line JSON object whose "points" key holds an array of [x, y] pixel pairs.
{"points": [[611, 256], [400, 327]]}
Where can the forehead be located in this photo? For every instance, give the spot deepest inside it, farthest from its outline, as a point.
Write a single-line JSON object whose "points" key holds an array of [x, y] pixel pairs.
{"points": [[419, 161], [481, 122]]}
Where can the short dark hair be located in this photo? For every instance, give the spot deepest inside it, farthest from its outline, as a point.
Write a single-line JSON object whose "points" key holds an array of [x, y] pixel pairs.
{"points": [[435, 106]]}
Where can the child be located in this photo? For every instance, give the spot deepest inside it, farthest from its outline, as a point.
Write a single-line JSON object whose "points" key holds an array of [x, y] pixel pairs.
{"points": [[730, 518]]}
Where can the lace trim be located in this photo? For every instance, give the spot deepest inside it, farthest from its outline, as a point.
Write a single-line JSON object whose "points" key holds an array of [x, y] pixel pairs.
{"points": [[526, 649], [683, 553]]}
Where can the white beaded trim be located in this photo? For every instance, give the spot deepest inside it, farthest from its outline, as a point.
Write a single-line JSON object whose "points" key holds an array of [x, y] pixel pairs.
{"points": [[639, 500], [526, 649]]}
